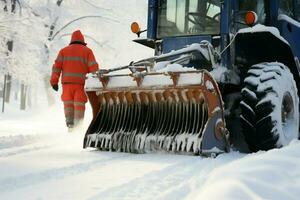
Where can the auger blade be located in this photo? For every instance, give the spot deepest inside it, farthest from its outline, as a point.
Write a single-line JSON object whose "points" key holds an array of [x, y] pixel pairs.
{"points": [[178, 112]]}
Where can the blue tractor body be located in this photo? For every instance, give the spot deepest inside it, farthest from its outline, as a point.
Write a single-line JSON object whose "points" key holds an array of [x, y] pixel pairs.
{"points": [[286, 21], [217, 66], [240, 49]]}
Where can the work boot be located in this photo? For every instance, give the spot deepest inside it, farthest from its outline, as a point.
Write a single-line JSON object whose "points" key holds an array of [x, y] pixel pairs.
{"points": [[70, 127]]}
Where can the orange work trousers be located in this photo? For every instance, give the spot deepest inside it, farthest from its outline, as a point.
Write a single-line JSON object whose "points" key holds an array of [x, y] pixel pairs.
{"points": [[74, 99]]}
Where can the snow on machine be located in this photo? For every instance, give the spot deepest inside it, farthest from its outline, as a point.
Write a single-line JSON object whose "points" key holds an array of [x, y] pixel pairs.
{"points": [[222, 71]]}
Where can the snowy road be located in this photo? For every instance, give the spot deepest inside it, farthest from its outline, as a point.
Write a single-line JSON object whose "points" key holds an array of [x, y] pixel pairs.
{"points": [[40, 160]]}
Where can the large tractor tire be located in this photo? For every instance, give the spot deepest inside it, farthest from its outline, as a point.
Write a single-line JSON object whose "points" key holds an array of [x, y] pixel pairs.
{"points": [[269, 107]]}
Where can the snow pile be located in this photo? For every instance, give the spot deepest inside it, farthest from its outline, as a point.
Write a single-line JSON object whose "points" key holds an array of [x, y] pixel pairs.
{"points": [[37, 153], [271, 175], [218, 73], [92, 81], [263, 28], [172, 68], [169, 66]]}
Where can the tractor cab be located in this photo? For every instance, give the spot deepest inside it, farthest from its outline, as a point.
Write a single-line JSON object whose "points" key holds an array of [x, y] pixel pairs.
{"points": [[203, 17], [173, 24]]}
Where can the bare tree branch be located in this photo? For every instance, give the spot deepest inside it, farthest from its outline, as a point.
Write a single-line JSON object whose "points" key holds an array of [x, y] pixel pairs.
{"points": [[13, 6], [59, 2], [80, 18], [100, 44], [94, 5], [53, 25], [5, 6]]}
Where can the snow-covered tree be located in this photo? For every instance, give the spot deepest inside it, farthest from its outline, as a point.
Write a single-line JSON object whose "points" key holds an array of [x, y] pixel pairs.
{"points": [[39, 28], [22, 42]]}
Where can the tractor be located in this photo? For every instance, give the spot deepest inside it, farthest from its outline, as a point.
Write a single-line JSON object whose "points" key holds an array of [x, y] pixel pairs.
{"points": [[225, 74]]}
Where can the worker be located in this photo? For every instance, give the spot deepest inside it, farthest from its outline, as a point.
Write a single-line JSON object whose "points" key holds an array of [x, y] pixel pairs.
{"points": [[72, 64]]}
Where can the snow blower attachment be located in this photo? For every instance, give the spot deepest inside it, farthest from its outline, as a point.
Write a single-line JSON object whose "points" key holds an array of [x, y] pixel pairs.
{"points": [[178, 112]]}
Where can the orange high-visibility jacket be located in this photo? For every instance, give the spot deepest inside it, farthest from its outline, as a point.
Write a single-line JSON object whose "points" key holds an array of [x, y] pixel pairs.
{"points": [[74, 62]]}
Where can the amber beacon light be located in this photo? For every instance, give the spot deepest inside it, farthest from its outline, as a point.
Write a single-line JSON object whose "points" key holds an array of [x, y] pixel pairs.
{"points": [[250, 18], [135, 28]]}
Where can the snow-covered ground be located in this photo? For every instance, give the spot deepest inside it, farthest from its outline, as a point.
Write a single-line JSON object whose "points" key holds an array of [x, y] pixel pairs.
{"points": [[39, 159]]}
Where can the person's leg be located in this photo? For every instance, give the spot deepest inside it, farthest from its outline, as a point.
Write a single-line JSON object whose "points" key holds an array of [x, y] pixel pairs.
{"points": [[69, 113], [80, 99], [79, 113], [68, 99]]}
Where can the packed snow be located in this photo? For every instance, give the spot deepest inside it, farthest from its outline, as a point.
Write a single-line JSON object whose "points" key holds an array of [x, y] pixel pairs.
{"points": [[39, 159], [262, 28]]}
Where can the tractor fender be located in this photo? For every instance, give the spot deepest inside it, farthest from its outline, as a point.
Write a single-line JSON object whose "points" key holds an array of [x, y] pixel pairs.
{"points": [[264, 44]]}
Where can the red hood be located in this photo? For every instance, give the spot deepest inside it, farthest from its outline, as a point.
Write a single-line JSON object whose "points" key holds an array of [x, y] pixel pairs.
{"points": [[77, 37]]}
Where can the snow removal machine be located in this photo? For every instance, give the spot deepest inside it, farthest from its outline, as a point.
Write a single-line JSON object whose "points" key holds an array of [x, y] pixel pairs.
{"points": [[225, 74]]}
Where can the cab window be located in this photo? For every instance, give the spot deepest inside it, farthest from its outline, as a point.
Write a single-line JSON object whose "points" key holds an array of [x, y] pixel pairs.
{"points": [[188, 17], [286, 7], [297, 10]]}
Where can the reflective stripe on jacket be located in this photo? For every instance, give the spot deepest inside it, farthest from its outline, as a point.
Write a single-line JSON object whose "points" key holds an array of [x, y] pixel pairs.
{"points": [[73, 62]]}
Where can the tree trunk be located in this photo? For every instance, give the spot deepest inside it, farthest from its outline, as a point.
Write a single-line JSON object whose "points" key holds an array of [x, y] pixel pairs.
{"points": [[53, 25], [23, 96], [50, 97], [29, 96], [4, 88], [10, 45], [7, 88]]}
